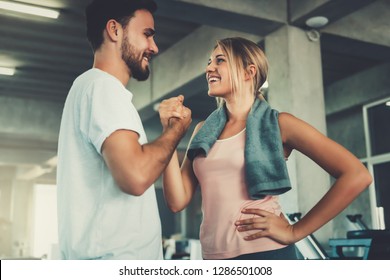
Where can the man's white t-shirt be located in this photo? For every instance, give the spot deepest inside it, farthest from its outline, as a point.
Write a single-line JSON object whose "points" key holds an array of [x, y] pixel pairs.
{"points": [[96, 219]]}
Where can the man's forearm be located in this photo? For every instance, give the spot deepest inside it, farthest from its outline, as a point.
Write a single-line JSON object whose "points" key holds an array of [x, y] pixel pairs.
{"points": [[158, 153]]}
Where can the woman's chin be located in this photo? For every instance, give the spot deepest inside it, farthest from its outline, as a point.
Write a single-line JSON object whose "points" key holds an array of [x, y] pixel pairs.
{"points": [[213, 94]]}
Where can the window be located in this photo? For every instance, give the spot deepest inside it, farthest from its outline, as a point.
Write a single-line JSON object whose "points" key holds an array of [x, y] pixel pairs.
{"points": [[379, 128], [44, 231], [377, 134]]}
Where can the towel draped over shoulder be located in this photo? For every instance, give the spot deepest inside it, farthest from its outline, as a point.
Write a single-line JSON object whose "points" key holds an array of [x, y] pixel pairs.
{"points": [[265, 166]]}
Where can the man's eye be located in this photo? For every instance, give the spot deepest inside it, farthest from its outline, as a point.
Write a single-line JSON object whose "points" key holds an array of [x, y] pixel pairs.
{"points": [[149, 33]]}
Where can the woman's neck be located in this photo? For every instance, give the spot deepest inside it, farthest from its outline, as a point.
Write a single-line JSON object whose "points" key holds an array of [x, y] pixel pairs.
{"points": [[238, 108]]}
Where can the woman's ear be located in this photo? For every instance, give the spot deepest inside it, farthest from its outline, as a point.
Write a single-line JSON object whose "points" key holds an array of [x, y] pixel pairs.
{"points": [[250, 72]]}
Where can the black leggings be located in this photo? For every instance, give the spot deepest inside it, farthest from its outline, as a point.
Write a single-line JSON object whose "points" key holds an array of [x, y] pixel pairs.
{"points": [[286, 253]]}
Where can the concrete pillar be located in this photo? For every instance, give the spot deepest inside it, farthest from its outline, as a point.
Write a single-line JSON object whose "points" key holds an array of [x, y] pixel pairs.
{"points": [[22, 218], [295, 86], [6, 178]]}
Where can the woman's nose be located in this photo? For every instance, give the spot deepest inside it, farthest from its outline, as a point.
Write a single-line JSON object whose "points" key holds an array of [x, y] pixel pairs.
{"points": [[210, 68]]}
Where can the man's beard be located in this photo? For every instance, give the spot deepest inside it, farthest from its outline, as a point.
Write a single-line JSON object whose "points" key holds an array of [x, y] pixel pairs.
{"points": [[135, 66]]}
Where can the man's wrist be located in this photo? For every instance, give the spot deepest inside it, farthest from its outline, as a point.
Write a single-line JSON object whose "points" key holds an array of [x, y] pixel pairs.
{"points": [[176, 125]]}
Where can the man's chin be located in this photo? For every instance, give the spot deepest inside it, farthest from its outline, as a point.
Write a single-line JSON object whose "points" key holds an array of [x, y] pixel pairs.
{"points": [[141, 74], [141, 77]]}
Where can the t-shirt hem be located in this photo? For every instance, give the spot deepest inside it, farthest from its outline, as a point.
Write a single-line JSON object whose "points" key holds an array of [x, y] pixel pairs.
{"points": [[99, 142]]}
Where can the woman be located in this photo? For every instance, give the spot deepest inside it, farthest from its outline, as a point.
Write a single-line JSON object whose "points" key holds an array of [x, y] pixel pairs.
{"points": [[237, 156]]}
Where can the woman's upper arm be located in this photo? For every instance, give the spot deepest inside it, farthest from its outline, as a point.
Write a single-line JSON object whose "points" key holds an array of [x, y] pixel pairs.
{"points": [[331, 156]]}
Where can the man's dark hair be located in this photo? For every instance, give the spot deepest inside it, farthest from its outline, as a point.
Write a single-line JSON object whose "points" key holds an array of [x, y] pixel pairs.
{"points": [[99, 12]]}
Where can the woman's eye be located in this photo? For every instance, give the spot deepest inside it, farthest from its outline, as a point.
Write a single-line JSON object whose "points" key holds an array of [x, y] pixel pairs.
{"points": [[217, 61]]}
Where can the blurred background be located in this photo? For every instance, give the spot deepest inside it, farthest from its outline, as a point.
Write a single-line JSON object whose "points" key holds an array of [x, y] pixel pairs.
{"points": [[329, 65]]}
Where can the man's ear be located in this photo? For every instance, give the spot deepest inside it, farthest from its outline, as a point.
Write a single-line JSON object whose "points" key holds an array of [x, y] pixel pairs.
{"points": [[250, 72], [112, 29]]}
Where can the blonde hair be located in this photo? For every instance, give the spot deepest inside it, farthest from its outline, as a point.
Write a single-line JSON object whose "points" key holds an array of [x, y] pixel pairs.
{"points": [[240, 53]]}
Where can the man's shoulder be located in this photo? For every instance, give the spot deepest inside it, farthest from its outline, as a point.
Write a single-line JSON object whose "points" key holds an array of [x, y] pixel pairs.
{"points": [[97, 79], [92, 75]]}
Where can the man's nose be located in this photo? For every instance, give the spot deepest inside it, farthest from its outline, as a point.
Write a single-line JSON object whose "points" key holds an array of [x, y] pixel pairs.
{"points": [[153, 47]]}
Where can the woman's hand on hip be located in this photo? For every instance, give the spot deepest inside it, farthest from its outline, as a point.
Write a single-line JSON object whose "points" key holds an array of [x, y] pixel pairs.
{"points": [[266, 224]]}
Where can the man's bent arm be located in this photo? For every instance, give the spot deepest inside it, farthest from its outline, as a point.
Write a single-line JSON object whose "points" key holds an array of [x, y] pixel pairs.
{"points": [[136, 167]]}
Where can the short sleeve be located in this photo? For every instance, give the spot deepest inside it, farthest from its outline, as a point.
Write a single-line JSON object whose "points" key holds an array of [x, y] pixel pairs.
{"points": [[105, 108]]}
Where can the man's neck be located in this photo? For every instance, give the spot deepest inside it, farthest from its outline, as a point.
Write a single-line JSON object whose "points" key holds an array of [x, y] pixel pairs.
{"points": [[112, 66]]}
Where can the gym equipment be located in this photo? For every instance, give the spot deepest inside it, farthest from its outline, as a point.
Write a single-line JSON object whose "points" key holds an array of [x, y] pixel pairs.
{"points": [[375, 243]]}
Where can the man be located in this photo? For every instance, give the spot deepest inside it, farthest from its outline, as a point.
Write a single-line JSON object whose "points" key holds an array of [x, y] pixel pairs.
{"points": [[107, 206]]}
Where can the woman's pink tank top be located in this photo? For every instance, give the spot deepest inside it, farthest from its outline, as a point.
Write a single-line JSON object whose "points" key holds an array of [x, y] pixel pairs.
{"points": [[221, 177]]}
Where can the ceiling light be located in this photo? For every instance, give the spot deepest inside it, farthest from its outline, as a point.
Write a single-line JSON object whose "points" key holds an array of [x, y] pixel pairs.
{"points": [[388, 103], [29, 9], [7, 71], [317, 22]]}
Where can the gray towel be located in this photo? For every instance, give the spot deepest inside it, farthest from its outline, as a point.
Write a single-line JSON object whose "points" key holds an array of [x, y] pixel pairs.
{"points": [[265, 167]]}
